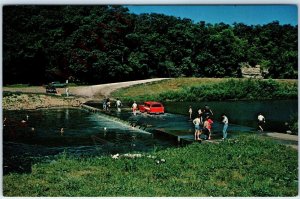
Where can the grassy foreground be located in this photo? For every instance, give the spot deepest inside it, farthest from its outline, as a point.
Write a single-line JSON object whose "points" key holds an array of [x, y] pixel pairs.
{"points": [[246, 166], [207, 89]]}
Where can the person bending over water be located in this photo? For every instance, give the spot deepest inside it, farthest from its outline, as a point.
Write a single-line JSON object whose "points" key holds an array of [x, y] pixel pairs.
{"points": [[207, 112], [205, 130]]}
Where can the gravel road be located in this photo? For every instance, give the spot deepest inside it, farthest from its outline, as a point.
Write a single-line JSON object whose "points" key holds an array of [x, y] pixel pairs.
{"points": [[93, 91], [106, 89]]}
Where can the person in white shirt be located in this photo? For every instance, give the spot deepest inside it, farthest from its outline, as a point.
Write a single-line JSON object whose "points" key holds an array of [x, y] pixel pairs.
{"points": [[261, 120], [190, 112], [118, 104], [196, 122], [134, 108], [200, 115], [225, 127]]}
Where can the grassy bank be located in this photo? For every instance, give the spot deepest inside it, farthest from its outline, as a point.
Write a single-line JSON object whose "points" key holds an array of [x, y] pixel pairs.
{"points": [[247, 166], [207, 89]]}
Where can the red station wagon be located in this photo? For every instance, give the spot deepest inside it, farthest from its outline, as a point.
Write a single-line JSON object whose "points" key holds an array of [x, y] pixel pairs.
{"points": [[152, 107]]}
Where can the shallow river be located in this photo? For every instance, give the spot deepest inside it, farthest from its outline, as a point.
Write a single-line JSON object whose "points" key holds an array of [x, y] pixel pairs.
{"points": [[48, 132], [75, 131], [245, 113]]}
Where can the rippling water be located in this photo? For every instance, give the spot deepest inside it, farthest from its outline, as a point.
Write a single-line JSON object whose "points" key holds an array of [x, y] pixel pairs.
{"points": [[48, 132]]}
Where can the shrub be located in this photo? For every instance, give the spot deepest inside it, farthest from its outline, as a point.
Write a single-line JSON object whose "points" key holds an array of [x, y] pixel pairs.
{"points": [[231, 89]]}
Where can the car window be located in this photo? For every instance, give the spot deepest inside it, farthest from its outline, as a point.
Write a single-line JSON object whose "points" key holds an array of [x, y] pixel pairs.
{"points": [[156, 105]]}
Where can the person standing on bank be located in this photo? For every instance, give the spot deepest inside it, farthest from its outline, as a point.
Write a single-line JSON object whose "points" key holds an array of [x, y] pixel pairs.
{"points": [[225, 122], [67, 91], [209, 126], [200, 115], [196, 122], [261, 120]]}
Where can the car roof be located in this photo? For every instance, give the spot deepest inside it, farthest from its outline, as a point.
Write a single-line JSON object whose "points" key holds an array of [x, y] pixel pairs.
{"points": [[152, 102]]}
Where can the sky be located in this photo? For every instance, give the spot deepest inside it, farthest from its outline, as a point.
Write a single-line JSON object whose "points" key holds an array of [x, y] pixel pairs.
{"points": [[228, 14]]}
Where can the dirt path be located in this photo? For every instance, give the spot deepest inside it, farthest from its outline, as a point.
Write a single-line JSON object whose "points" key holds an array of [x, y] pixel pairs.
{"points": [[94, 91], [290, 140], [101, 90]]}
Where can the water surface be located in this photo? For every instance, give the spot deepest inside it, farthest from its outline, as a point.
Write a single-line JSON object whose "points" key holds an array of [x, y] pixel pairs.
{"points": [[48, 132]]}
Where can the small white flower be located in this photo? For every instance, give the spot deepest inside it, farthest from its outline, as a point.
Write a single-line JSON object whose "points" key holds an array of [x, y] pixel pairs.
{"points": [[116, 156], [163, 160], [157, 161]]}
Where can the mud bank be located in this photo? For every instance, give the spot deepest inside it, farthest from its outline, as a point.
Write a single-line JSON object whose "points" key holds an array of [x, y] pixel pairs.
{"points": [[14, 101]]}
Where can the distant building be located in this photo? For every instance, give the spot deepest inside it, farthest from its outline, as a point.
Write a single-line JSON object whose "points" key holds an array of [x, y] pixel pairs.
{"points": [[253, 72]]}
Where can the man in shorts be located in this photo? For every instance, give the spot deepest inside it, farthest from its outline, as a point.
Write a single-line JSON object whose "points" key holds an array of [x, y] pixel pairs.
{"points": [[197, 122]]}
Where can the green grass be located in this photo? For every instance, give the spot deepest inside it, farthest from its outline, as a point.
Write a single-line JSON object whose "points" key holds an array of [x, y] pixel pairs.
{"points": [[17, 85], [207, 89], [245, 166]]}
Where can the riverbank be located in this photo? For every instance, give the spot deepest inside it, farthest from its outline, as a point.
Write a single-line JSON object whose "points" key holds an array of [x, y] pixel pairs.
{"points": [[33, 97], [157, 89], [245, 166], [22, 101]]}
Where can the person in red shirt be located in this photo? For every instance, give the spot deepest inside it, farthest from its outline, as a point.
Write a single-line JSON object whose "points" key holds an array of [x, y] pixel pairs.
{"points": [[209, 126]]}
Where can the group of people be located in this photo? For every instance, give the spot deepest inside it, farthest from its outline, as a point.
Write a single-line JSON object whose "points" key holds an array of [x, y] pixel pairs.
{"points": [[203, 123], [107, 104]]}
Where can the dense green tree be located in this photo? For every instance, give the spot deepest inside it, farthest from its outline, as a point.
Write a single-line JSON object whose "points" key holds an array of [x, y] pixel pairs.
{"points": [[97, 44]]}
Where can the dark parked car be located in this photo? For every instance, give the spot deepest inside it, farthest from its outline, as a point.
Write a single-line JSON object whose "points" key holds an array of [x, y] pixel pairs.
{"points": [[50, 89]]}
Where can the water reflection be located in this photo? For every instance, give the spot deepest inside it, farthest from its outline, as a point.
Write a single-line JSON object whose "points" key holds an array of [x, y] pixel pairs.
{"points": [[245, 113]]}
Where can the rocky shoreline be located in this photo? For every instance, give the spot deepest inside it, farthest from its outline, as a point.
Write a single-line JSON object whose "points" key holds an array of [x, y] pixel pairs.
{"points": [[18, 101]]}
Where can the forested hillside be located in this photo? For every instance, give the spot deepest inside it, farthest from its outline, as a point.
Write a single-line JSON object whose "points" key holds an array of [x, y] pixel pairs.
{"points": [[97, 44]]}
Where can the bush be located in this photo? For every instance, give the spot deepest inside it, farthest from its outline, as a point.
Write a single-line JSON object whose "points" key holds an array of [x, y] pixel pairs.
{"points": [[193, 89], [233, 90]]}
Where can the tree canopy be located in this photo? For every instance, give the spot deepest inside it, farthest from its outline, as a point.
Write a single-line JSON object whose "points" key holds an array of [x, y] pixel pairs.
{"points": [[98, 44]]}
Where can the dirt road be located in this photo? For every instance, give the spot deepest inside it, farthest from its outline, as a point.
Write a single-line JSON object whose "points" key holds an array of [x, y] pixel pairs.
{"points": [[101, 90], [290, 140], [93, 91]]}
